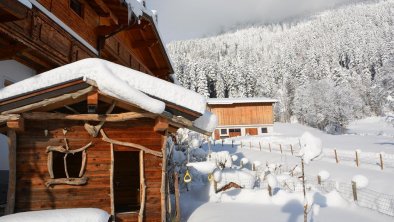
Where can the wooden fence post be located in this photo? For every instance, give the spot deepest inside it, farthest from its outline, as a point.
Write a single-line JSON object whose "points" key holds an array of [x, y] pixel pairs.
{"points": [[232, 143], [242, 145], [357, 159], [291, 149], [260, 145], [269, 145], [253, 167], [354, 189], [269, 190], [336, 155], [280, 147], [381, 160], [319, 179], [214, 143], [177, 204], [222, 142], [250, 145]]}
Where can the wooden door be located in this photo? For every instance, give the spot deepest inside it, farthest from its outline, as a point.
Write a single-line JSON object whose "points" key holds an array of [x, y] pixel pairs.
{"points": [[217, 135], [126, 181], [251, 131]]}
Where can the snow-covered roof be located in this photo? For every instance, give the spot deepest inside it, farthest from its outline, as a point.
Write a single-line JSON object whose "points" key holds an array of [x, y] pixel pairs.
{"points": [[228, 101], [27, 3], [140, 89]]}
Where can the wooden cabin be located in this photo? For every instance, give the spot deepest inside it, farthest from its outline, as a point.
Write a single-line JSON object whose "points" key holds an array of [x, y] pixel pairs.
{"points": [[78, 141], [242, 116], [45, 34]]}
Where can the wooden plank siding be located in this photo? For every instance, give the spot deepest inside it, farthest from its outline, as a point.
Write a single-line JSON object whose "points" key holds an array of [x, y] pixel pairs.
{"points": [[32, 171], [243, 114]]}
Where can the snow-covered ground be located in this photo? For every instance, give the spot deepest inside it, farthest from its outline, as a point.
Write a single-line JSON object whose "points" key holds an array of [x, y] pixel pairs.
{"points": [[370, 136]]}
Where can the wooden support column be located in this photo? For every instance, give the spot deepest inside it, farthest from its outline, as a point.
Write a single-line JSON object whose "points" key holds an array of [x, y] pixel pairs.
{"points": [[12, 173], [163, 179], [92, 102], [111, 173], [142, 187]]}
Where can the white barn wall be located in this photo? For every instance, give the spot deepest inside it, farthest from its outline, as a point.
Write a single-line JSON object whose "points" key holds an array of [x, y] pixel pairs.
{"points": [[13, 71]]}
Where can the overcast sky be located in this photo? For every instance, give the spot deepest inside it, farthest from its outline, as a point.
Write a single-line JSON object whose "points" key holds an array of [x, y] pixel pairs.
{"points": [[188, 19]]}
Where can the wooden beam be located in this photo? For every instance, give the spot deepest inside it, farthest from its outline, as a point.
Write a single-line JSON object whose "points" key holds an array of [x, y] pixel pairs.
{"points": [[144, 43], [133, 145], [12, 172], [17, 125], [92, 101], [50, 101], [105, 30], [86, 117], [61, 149], [161, 124], [12, 10], [99, 7], [67, 181], [111, 176], [11, 51]]}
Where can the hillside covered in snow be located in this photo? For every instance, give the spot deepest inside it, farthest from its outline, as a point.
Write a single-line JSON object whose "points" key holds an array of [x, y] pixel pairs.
{"points": [[325, 71]]}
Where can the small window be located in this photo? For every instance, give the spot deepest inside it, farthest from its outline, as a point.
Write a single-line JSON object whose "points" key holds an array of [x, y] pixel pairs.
{"points": [[264, 130], [223, 132], [74, 164], [7, 82], [235, 130], [77, 7]]}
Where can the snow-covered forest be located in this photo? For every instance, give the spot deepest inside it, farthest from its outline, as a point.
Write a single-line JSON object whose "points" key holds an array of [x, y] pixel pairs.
{"points": [[325, 70]]}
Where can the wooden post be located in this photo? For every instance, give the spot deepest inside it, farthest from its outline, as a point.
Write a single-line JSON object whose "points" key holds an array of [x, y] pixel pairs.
{"points": [[357, 159], [112, 183], [260, 145], [354, 188], [214, 143], [280, 147], [291, 149], [232, 143], [250, 145], [142, 187], [12, 173], [163, 179], [253, 167], [177, 204], [269, 145], [222, 142], [381, 160], [319, 179], [269, 190], [241, 145], [336, 156]]}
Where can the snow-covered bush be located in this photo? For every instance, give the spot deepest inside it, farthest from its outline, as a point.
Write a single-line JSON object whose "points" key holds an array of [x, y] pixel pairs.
{"points": [[311, 147], [244, 178], [222, 159]]}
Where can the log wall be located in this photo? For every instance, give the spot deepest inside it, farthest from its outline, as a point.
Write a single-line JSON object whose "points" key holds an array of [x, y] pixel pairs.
{"points": [[243, 114], [32, 171]]}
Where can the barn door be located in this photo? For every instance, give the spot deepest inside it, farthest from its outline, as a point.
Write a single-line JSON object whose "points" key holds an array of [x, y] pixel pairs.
{"points": [[251, 131], [126, 181]]}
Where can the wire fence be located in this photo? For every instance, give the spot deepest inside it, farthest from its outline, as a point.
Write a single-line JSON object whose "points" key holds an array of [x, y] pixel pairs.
{"points": [[356, 157], [363, 197]]}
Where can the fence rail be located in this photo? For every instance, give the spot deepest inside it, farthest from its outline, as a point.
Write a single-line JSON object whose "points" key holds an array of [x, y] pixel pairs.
{"points": [[380, 160]]}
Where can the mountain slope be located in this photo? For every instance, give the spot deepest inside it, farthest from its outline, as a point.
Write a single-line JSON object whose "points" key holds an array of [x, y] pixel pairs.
{"points": [[325, 71]]}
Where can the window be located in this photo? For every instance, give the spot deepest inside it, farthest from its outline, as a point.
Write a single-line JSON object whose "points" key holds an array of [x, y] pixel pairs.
{"points": [[7, 82], [77, 7], [223, 132], [235, 130], [264, 130], [74, 164]]}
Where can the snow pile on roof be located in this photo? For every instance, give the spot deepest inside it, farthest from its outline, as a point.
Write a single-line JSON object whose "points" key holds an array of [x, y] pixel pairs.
{"points": [[115, 80], [134, 6], [208, 122], [311, 147], [228, 101], [244, 178], [61, 215], [26, 3]]}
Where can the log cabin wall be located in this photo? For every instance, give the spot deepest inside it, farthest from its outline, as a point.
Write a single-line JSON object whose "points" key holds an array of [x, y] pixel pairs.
{"points": [[32, 170], [38, 42], [243, 114]]}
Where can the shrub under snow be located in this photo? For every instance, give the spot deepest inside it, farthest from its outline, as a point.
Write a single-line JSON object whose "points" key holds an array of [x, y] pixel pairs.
{"points": [[311, 147], [221, 158], [244, 178]]}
